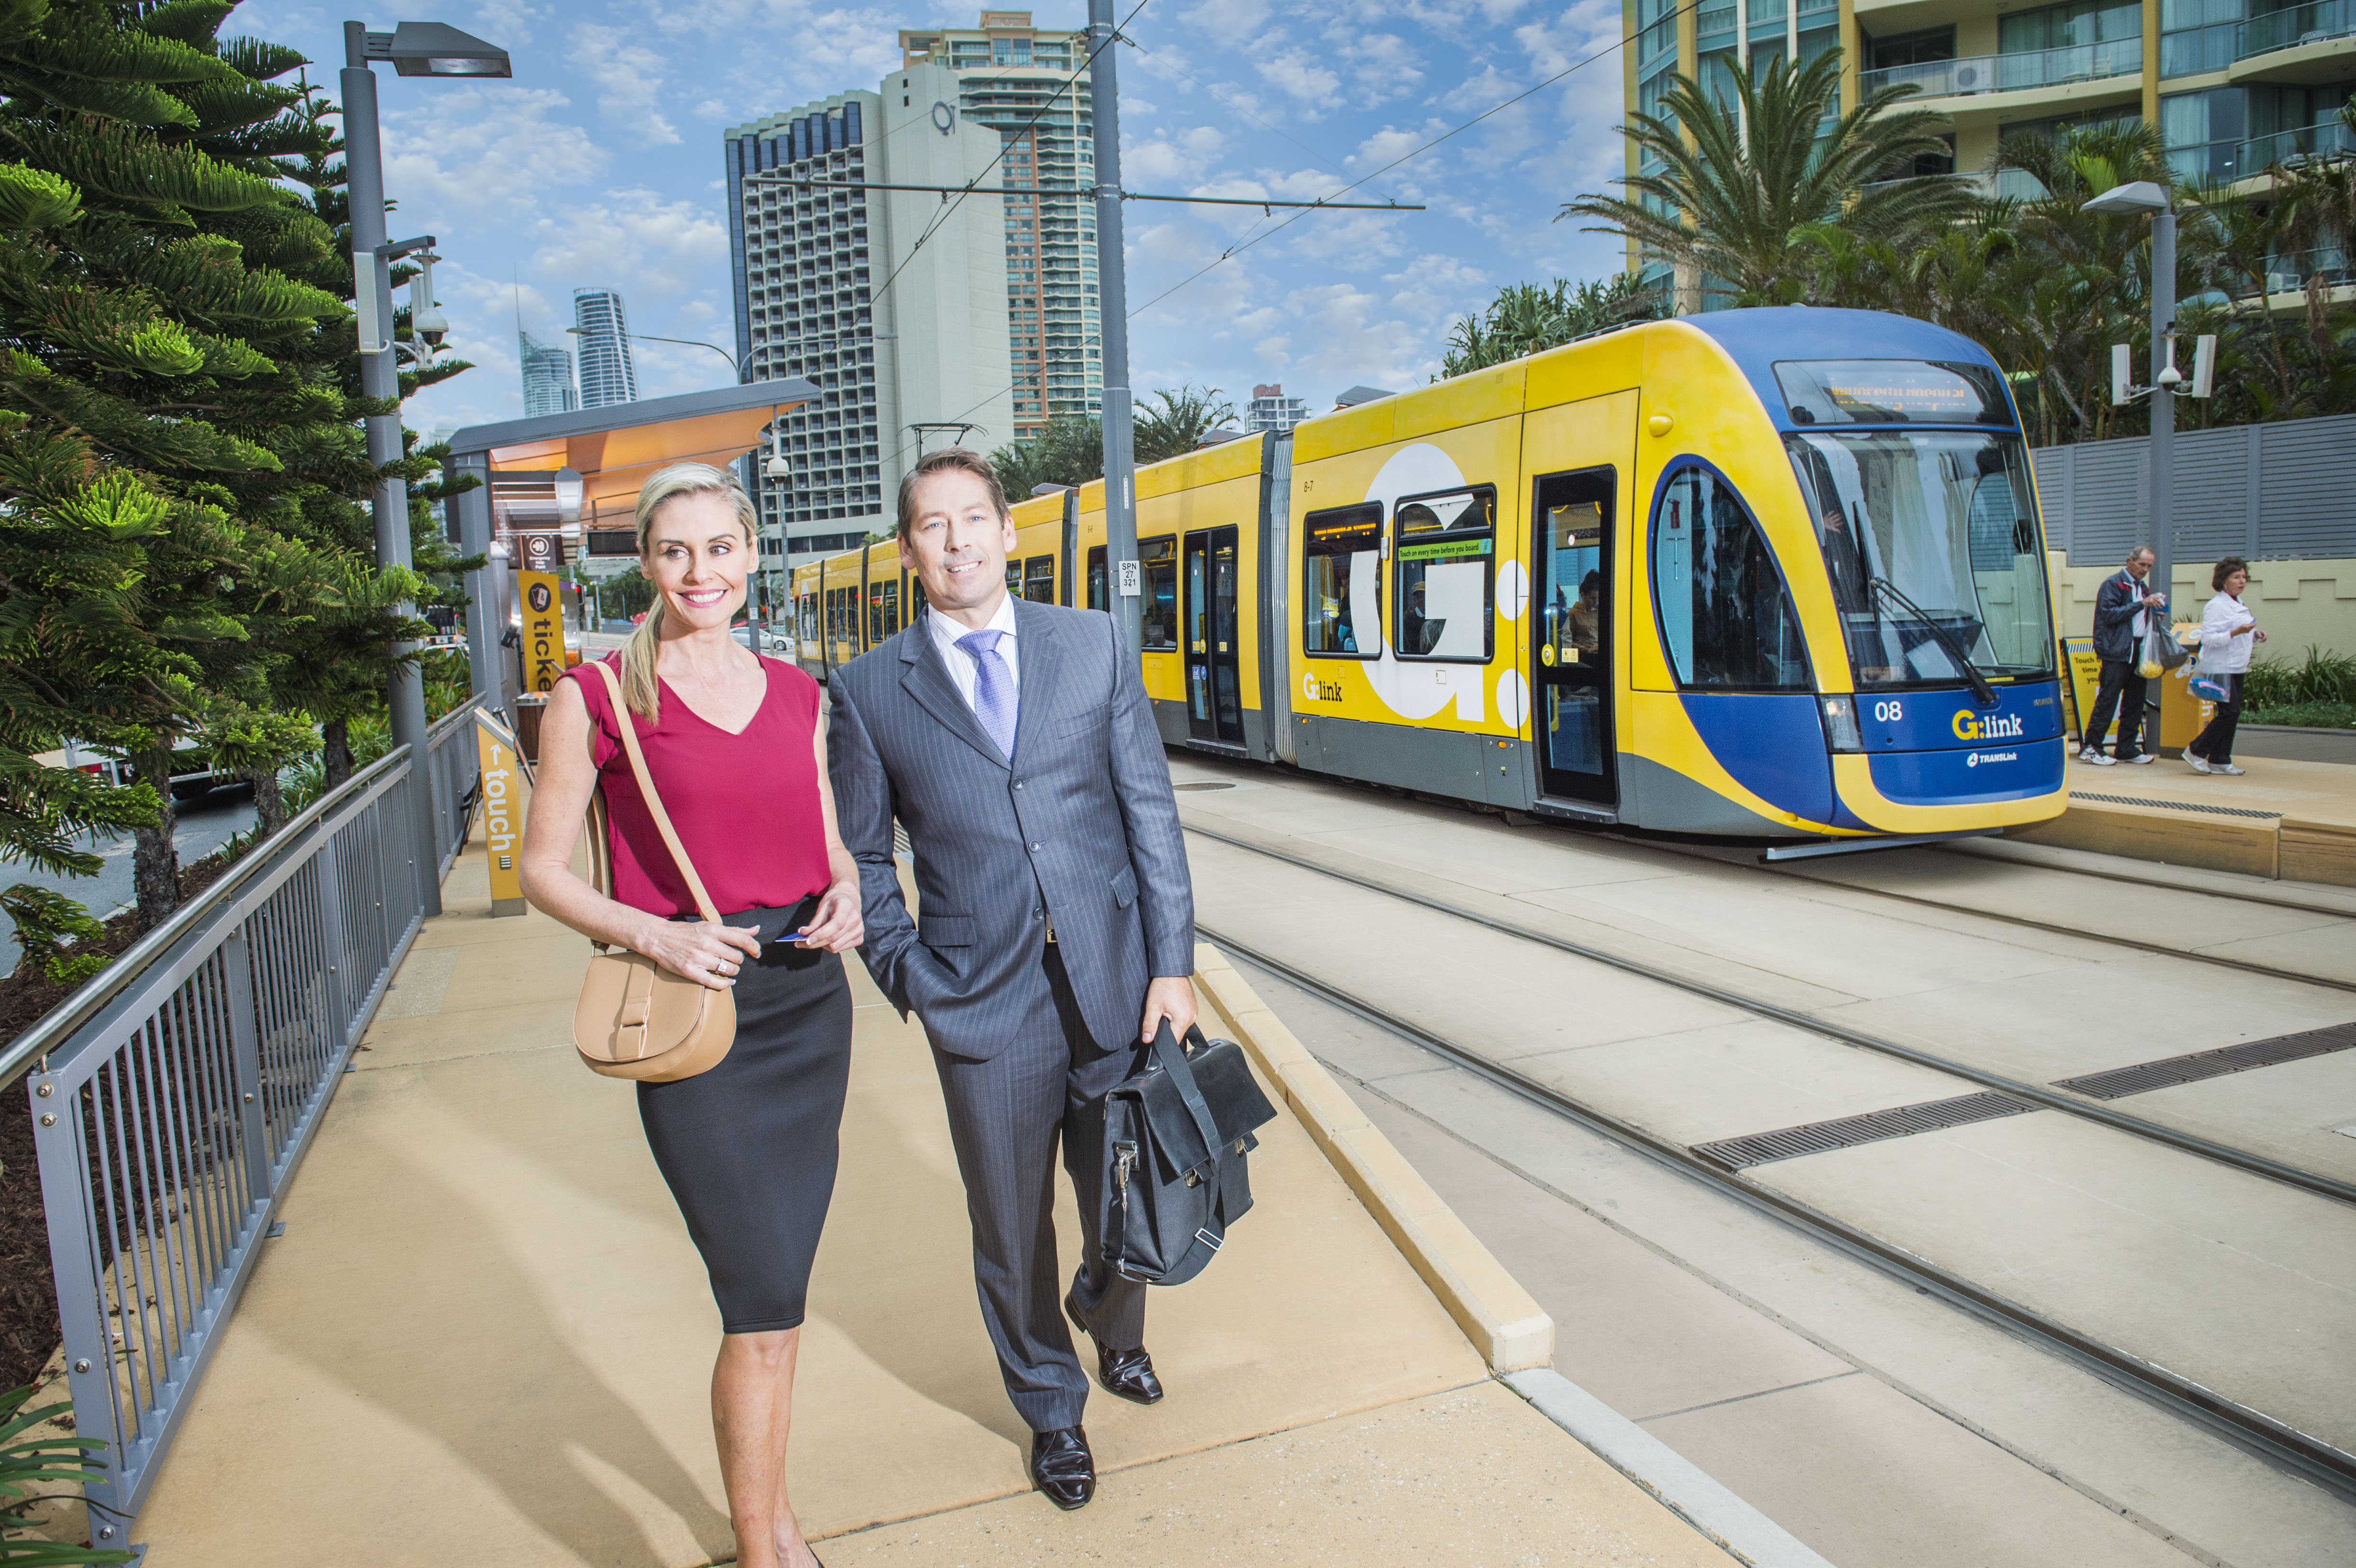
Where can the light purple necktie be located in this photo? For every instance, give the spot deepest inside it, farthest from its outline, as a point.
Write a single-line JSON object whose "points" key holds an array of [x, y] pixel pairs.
{"points": [[993, 687]]}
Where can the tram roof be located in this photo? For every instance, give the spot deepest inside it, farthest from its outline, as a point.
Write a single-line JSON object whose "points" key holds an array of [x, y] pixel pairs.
{"points": [[1757, 338]]}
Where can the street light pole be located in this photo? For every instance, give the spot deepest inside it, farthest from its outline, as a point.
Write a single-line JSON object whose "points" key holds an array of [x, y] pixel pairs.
{"points": [[1112, 314], [414, 49], [2163, 404], [380, 380]]}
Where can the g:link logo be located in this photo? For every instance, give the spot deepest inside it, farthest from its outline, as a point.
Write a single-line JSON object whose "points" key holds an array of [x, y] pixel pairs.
{"points": [[1316, 690], [1970, 726]]}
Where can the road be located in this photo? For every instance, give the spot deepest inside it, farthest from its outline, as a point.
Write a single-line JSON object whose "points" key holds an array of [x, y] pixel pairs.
{"points": [[203, 825]]}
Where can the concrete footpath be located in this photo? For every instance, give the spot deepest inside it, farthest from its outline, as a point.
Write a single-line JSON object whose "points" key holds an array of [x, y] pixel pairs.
{"points": [[485, 1338]]}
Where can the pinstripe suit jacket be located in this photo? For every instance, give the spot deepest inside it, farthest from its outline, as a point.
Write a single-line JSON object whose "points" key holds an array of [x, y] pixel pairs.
{"points": [[1078, 827]]}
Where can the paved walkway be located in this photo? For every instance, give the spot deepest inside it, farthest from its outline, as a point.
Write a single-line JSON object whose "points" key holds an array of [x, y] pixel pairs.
{"points": [[485, 1338]]}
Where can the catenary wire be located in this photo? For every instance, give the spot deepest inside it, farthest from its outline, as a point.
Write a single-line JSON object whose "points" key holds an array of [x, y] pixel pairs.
{"points": [[1241, 246]]}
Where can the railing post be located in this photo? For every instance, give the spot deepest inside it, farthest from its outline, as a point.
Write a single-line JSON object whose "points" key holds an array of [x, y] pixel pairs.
{"points": [[73, 1254], [245, 1063], [331, 931]]}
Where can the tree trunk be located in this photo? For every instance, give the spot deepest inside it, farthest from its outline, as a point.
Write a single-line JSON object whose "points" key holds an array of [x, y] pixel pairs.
{"points": [[335, 754], [269, 802], [154, 862]]}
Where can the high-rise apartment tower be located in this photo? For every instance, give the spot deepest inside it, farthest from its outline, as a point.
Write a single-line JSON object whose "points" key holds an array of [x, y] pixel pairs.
{"points": [[1026, 85], [547, 378], [609, 374], [1269, 409], [888, 300], [2236, 87]]}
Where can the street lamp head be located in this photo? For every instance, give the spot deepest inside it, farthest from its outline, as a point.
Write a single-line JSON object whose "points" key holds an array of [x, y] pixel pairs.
{"points": [[2126, 201], [432, 48]]}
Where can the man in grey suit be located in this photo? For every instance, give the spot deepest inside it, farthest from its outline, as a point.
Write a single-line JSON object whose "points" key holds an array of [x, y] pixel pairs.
{"points": [[1056, 925]]}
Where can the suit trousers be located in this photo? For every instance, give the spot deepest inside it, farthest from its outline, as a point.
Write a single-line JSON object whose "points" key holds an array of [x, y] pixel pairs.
{"points": [[1006, 1116], [2122, 690]]}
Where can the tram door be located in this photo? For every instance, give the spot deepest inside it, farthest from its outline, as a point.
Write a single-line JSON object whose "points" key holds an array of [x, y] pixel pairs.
{"points": [[1213, 639], [1573, 672]]}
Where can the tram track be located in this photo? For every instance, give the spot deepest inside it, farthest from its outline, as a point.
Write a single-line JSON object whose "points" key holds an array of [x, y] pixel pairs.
{"points": [[2166, 950], [2038, 1094], [2276, 1442]]}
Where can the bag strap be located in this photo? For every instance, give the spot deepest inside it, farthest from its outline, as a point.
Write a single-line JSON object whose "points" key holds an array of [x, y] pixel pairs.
{"points": [[627, 723], [1182, 1072]]}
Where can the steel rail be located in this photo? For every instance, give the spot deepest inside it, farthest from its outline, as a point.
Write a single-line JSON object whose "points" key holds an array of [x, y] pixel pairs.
{"points": [[59, 1024], [2309, 1457], [2224, 1154], [2266, 971]]}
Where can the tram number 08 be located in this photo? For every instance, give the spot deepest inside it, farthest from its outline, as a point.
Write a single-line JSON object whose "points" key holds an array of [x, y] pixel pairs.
{"points": [[1889, 712]]}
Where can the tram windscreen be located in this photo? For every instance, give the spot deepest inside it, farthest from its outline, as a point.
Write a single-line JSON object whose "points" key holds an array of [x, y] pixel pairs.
{"points": [[1891, 391], [1931, 540]]}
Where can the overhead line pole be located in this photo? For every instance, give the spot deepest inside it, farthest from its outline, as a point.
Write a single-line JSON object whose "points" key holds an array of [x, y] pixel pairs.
{"points": [[1121, 573]]}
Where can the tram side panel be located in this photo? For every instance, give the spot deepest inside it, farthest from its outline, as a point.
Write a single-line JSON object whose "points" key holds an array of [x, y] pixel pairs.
{"points": [[1407, 598]]}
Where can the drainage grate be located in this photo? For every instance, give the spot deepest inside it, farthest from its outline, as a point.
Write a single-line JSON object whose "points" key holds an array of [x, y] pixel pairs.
{"points": [[2177, 805], [1204, 783], [2170, 1070], [1848, 1132]]}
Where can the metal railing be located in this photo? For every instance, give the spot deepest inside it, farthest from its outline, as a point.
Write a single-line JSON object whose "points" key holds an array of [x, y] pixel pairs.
{"points": [[2239, 158], [2295, 24], [2010, 72], [173, 1096]]}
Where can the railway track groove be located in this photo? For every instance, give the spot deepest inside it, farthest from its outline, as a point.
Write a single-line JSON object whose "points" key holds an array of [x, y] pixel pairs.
{"points": [[2312, 1458], [2041, 1094]]}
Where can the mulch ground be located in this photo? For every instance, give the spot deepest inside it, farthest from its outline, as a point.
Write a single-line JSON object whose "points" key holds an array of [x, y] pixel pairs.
{"points": [[28, 1308]]}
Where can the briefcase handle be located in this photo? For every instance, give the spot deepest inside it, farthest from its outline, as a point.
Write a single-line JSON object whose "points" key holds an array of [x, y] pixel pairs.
{"points": [[1173, 1059]]}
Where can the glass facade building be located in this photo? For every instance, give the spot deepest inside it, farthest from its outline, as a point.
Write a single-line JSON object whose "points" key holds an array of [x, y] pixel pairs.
{"points": [[547, 378], [609, 374]]}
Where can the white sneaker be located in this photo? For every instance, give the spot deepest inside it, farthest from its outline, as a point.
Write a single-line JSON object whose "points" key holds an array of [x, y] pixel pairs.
{"points": [[2223, 768], [2198, 765], [2092, 755], [2140, 757]]}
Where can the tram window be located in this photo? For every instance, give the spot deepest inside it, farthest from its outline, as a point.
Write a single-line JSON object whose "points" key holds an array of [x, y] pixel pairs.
{"points": [[1444, 574], [1726, 616], [875, 632], [1342, 567], [1930, 539], [1158, 626], [1014, 577], [1097, 597], [1572, 603], [1039, 579], [890, 608]]}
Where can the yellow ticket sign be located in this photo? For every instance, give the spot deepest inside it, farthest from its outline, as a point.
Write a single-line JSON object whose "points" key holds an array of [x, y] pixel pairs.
{"points": [[543, 629], [2086, 679], [503, 786]]}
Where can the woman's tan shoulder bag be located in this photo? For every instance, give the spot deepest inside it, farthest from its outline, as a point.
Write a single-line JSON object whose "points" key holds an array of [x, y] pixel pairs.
{"points": [[636, 1019]]}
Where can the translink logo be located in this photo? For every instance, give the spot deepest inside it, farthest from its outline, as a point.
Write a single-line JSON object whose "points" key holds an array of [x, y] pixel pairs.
{"points": [[1970, 726]]}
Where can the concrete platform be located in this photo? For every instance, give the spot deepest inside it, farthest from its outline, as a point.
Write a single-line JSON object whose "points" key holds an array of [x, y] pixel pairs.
{"points": [[485, 1338], [2294, 821]]}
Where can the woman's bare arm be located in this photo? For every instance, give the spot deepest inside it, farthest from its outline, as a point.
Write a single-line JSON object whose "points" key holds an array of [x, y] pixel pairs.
{"points": [[566, 775]]}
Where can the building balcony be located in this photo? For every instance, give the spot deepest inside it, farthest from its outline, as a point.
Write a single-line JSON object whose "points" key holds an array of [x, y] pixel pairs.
{"points": [[2026, 70], [2319, 21], [2222, 162]]}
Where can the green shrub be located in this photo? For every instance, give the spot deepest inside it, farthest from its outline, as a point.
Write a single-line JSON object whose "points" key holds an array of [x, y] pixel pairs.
{"points": [[27, 1462], [2323, 677], [2306, 715], [50, 928]]}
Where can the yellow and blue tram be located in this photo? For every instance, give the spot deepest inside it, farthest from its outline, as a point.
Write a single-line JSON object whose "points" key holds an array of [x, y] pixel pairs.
{"points": [[1765, 574]]}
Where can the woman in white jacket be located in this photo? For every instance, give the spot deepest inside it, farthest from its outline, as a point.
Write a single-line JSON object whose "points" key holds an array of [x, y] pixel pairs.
{"points": [[2227, 634]]}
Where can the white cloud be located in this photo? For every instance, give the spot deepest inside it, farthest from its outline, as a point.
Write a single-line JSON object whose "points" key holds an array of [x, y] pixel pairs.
{"points": [[629, 78], [485, 149]]}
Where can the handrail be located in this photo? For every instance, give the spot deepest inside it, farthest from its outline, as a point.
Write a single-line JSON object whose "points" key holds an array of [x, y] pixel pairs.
{"points": [[60, 1021]]}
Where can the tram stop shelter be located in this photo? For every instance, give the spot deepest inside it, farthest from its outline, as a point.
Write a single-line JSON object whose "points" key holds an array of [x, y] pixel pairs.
{"points": [[615, 450]]}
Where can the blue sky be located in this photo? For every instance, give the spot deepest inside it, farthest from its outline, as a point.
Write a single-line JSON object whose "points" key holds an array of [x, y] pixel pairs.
{"points": [[599, 165]]}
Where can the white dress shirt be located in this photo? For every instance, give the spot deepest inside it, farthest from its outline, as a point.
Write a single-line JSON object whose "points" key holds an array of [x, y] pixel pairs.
{"points": [[945, 632]]}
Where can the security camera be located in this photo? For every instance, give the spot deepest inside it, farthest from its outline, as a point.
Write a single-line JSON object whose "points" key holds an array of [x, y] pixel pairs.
{"points": [[430, 324], [426, 321], [777, 468]]}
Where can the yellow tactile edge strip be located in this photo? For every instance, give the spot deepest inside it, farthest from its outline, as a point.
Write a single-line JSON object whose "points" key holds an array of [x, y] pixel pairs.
{"points": [[1504, 1323]]}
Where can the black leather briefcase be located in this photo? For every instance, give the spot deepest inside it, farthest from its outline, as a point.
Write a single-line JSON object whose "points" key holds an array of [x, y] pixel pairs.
{"points": [[1176, 1134]]}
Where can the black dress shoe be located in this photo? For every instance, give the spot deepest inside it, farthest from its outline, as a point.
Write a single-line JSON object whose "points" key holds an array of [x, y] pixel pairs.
{"points": [[1062, 1467], [1125, 1374]]}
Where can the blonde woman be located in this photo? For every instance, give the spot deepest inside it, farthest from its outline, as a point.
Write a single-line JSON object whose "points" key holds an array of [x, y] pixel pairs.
{"points": [[733, 744]]}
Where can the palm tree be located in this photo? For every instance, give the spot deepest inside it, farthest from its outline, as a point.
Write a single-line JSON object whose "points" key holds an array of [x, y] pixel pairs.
{"points": [[1742, 208], [2320, 222]]}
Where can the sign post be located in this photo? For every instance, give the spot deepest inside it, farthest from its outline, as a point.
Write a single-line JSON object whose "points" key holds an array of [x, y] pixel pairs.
{"points": [[503, 782]]}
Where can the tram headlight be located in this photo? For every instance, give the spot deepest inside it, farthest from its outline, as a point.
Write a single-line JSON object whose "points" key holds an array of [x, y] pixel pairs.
{"points": [[1841, 732]]}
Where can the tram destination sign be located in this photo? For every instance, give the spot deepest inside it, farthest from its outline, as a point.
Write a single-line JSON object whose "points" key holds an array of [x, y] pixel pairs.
{"points": [[1891, 391]]}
